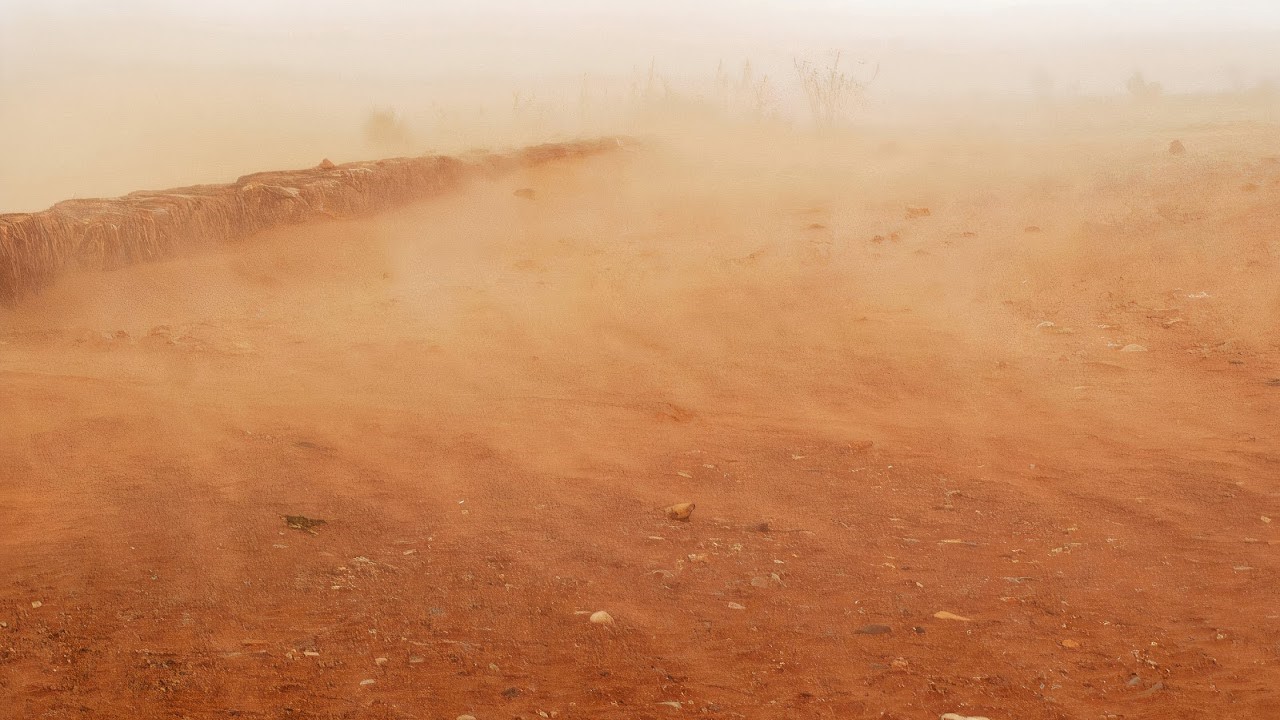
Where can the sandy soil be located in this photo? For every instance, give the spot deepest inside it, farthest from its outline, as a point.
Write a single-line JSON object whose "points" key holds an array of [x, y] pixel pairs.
{"points": [[491, 398]]}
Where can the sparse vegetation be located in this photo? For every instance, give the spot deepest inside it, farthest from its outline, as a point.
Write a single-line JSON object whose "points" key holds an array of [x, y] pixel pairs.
{"points": [[1142, 89], [385, 130], [830, 91]]}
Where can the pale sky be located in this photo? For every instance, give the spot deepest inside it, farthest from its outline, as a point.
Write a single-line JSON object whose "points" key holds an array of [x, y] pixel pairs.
{"points": [[533, 36]]}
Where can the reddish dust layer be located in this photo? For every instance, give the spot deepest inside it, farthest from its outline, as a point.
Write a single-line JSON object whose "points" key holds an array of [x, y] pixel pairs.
{"points": [[490, 398], [149, 225]]}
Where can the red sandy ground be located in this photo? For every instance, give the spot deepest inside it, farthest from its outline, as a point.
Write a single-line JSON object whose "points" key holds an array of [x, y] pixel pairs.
{"points": [[490, 399]]}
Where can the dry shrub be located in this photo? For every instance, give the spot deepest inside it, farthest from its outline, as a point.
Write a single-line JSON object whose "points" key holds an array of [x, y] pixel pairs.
{"points": [[146, 226], [830, 91], [1143, 90]]}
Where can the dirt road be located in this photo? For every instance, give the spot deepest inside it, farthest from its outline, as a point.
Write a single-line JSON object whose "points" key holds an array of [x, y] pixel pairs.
{"points": [[1047, 407]]}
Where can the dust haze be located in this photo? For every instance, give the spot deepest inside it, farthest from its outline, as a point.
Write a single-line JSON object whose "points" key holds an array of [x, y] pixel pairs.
{"points": [[958, 324]]}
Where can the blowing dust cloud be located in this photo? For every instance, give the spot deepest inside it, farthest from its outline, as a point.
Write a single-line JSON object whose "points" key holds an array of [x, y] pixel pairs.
{"points": [[571, 359]]}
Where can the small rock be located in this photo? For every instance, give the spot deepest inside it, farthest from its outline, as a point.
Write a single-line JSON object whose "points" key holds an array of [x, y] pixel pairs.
{"points": [[368, 681], [416, 659], [1133, 347], [1177, 148], [326, 164], [36, 604], [672, 703], [302, 522], [1266, 519], [1031, 229], [1070, 644], [681, 511], [601, 617], [380, 661], [873, 630], [310, 653], [917, 212], [737, 606], [511, 693], [1134, 681], [1152, 690], [958, 716], [944, 615], [466, 717], [525, 193]]}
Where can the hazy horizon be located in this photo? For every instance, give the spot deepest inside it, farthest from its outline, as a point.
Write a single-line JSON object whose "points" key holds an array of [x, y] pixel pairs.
{"points": [[169, 93]]}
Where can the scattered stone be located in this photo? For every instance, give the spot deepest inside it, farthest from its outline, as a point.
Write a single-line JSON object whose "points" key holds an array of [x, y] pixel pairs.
{"points": [[326, 164], [1152, 690], [525, 193], [1070, 644], [601, 617], [737, 606], [944, 615], [917, 212], [1177, 148], [1133, 347], [302, 522], [873, 630], [680, 511], [877, 239]]}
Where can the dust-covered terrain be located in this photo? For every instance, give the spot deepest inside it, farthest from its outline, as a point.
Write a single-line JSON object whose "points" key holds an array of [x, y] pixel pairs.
{"points": [[976, 418]]}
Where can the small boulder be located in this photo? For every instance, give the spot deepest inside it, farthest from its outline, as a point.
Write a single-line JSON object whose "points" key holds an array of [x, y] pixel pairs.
{"points": [[681, 511]]}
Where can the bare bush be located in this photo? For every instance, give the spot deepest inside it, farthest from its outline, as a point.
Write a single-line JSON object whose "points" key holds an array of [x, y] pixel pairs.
{"points": [[385, 130], [830, 91], [1140, 89]]}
